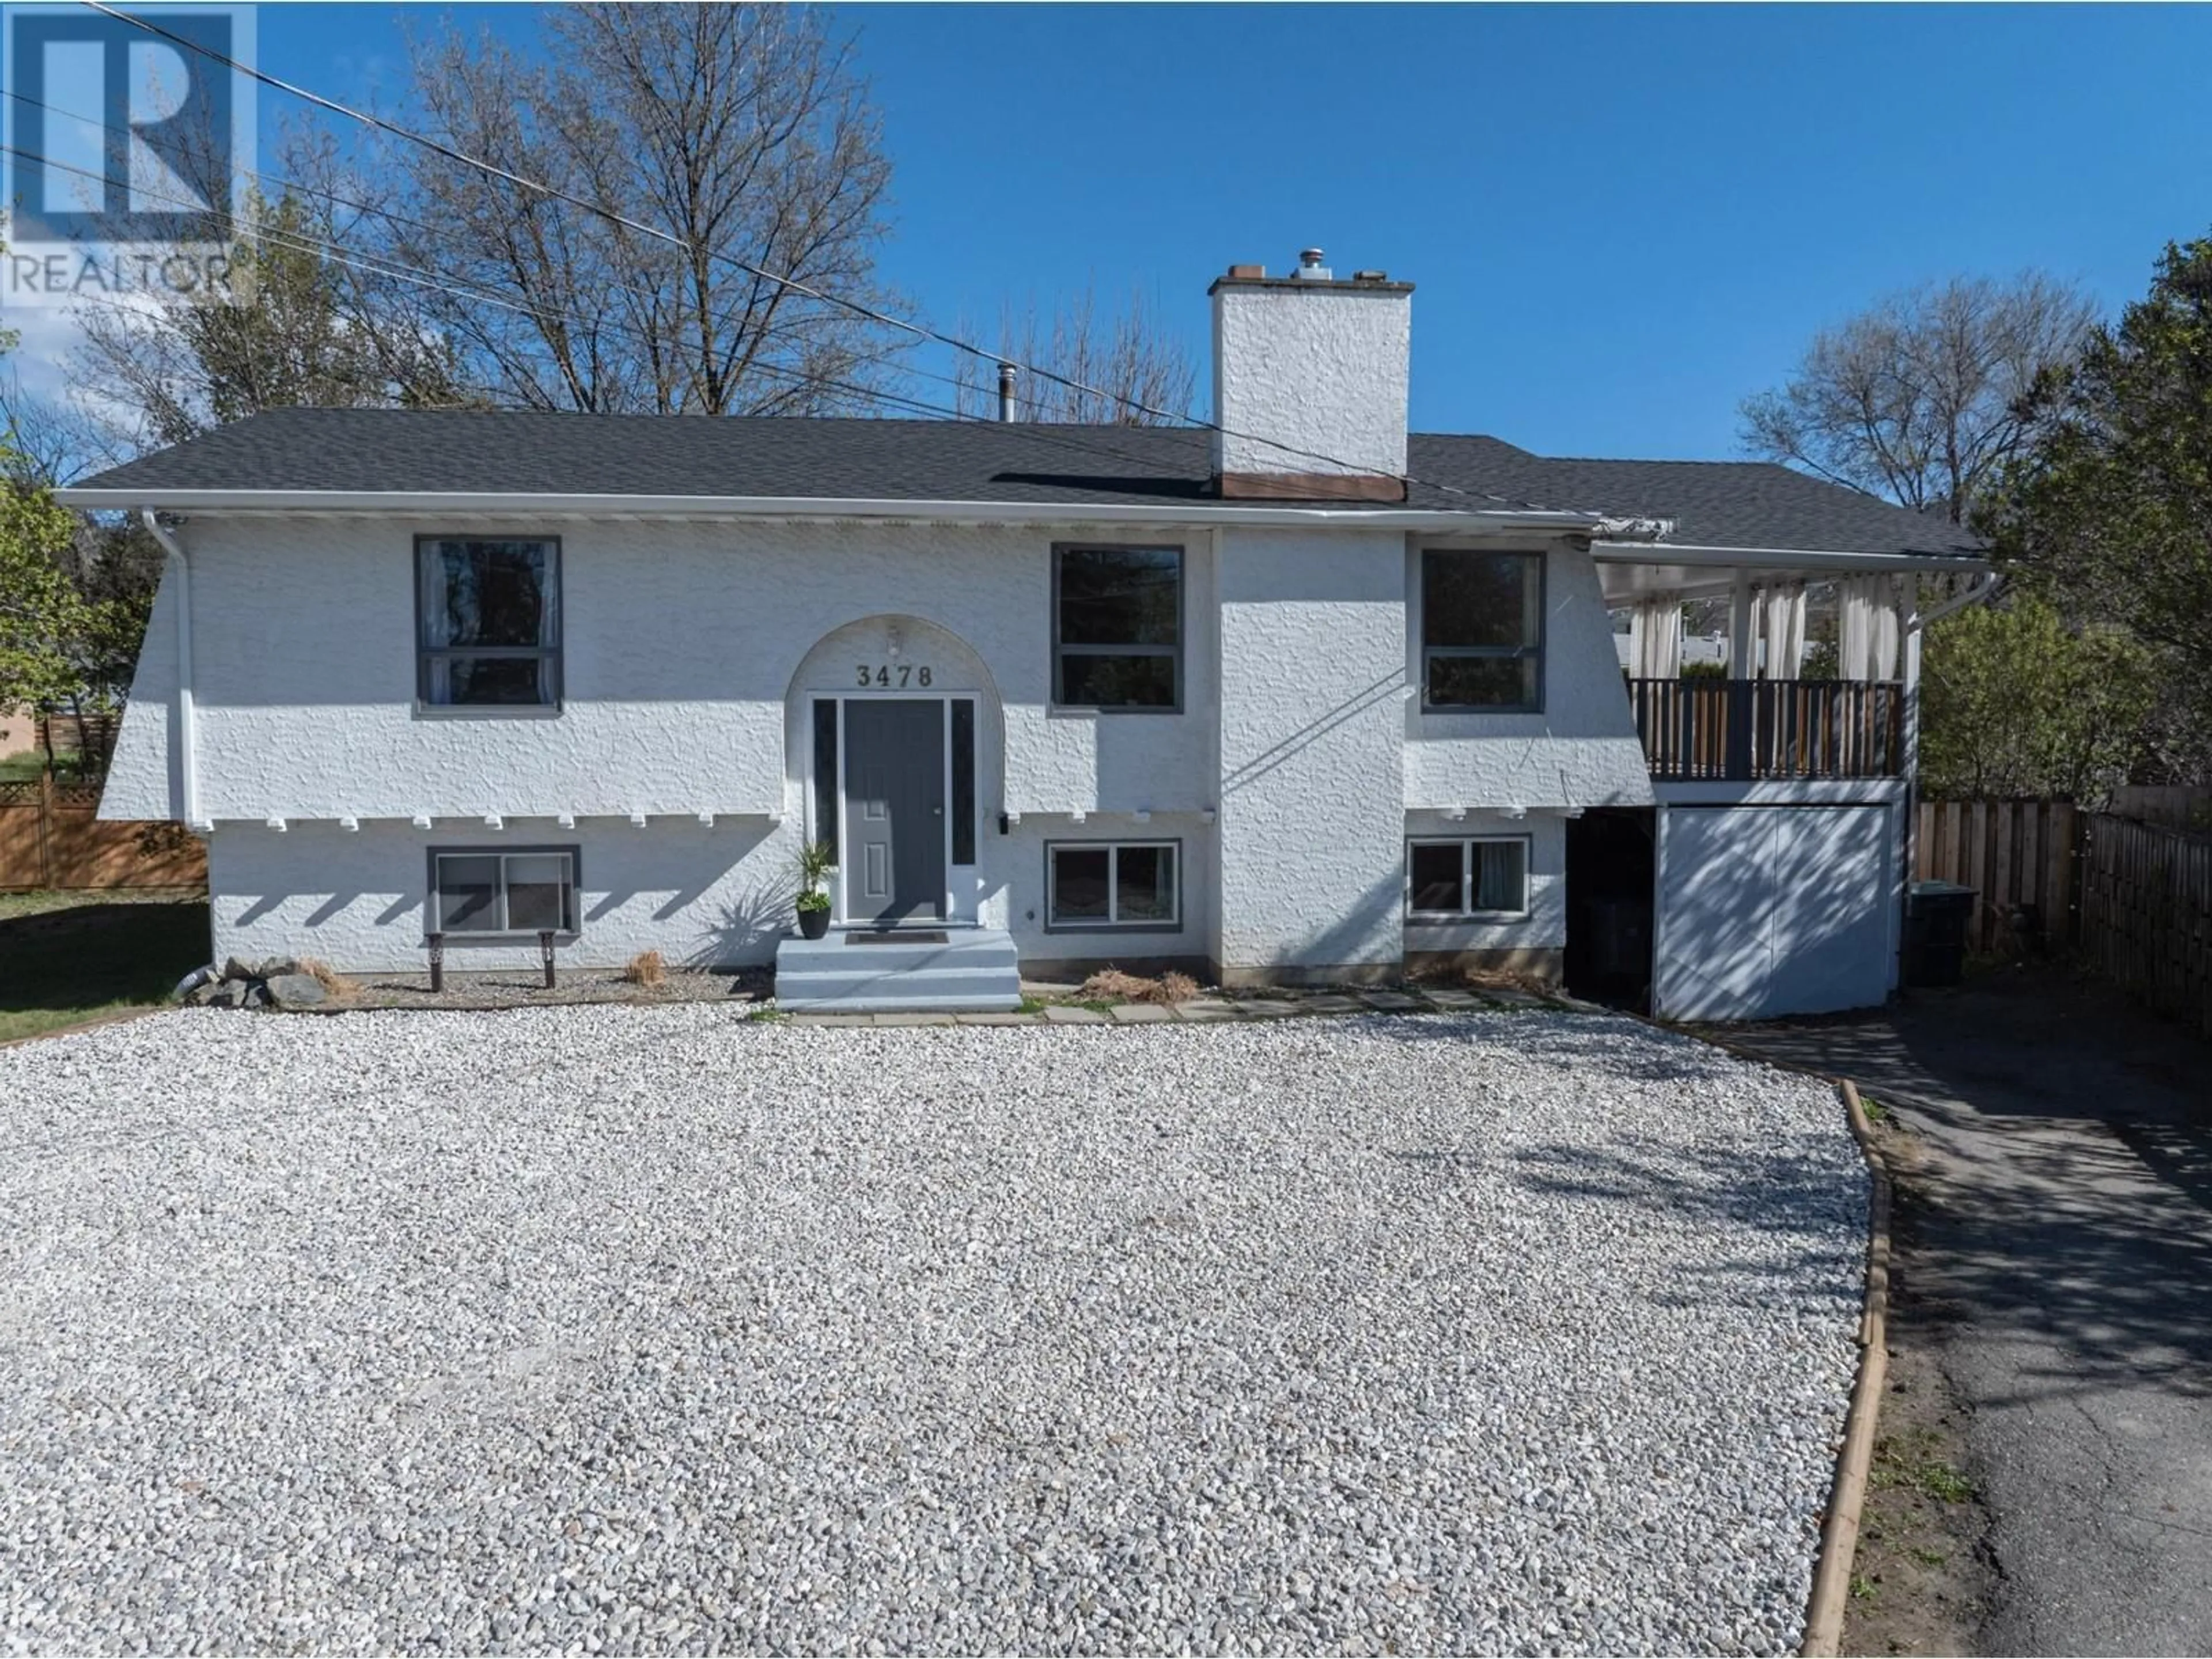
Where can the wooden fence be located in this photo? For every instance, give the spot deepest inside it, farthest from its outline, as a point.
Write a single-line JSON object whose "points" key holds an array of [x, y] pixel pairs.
{"points": [[2134, 898], [2179, 805], [2145, 914], [2018, 855], [51, 836]]}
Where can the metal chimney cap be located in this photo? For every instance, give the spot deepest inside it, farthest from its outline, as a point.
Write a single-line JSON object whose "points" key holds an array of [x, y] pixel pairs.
{"points": [[1310, 267], [1309, 256]]}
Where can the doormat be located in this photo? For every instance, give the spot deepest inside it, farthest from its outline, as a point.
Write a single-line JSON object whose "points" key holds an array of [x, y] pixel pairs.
{"points": [[899, 937]]}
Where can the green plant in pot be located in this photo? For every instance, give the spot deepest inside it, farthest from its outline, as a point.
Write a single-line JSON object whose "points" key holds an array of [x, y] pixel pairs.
{"points": [[816, 860]]}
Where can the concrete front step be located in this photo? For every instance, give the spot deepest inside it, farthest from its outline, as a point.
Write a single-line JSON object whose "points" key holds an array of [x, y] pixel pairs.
{"points": [[974, 971]]}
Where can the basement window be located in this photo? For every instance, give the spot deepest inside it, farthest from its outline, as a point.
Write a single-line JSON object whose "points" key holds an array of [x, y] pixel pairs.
{"points": [[1097, 884], [489, 619], [1482, 630], [1451, 880], [1117, 627], [526, 891]]}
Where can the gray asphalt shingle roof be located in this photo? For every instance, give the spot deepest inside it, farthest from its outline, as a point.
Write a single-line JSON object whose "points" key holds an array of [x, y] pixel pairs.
{"points": [[417, 452]]}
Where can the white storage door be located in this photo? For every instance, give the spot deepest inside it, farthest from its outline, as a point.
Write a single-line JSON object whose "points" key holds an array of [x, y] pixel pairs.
{"points": [[1772, 910]]}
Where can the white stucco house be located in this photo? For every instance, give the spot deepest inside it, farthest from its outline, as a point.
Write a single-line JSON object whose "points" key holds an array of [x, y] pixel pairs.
{"points": [[1304, 697]]}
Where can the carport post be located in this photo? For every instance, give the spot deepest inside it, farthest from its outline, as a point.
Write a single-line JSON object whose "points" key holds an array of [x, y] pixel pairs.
{"points": [[1743, 669], [1909, 621]]}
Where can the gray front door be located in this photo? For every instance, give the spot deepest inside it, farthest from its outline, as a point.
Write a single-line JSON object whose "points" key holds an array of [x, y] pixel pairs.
{"points": [[894, 809]]}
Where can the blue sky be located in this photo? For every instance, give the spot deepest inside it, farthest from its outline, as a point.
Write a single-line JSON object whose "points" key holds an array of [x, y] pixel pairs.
{"points": [[1620, 219]]}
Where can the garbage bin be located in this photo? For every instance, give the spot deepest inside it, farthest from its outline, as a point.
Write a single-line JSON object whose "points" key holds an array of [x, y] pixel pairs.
{"points": [[1935, 924]]}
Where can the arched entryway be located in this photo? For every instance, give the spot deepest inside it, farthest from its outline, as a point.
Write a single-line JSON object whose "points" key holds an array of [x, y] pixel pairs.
{"points": [[895, 739]]}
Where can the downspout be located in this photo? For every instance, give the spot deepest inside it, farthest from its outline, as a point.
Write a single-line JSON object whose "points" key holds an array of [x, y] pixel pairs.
{"points": [[188, 780]]}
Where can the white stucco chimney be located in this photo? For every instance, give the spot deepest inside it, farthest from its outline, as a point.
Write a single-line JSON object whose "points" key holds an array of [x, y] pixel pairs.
{"points": [[1309, 380]]}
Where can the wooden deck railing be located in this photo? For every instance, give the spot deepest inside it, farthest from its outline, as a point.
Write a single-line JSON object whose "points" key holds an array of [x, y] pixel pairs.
{"points": [[1737, 731]]}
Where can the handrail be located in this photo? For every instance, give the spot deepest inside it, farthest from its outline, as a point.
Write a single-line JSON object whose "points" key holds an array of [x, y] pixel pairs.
{"points": [[1742, 731]]}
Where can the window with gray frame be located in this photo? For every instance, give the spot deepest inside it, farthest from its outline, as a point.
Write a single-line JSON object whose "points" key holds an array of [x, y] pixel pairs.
{"points": [[1473, 877], [825, 773], [1117, 627], [963, 781], [488, 611], [1482, 630], [525, 890], [1099, 883]]}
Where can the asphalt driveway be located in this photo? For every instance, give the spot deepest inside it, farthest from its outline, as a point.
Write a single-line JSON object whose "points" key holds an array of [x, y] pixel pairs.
{"points": [[2061, 1226], [620, 1329]]}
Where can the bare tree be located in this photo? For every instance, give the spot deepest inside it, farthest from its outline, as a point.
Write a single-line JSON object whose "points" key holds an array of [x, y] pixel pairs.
{"points": [[1921, 398], [744, 132], [49, 441], [293, 326], [1126, 358]]}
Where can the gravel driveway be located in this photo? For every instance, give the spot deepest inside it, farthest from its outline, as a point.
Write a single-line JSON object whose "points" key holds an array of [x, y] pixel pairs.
{"points": [[637, 1329]]}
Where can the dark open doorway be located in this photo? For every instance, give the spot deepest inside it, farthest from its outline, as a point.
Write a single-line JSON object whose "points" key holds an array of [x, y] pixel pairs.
{"points": [[1612, 862]]}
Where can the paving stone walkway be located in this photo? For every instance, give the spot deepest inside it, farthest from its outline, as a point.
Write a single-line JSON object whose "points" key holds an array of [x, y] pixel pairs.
{"points": [[1277, 1004]]}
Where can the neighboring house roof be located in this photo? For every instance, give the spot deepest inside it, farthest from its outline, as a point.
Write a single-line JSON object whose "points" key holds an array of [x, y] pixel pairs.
{"points": [[408, 453], [1711, 503]]}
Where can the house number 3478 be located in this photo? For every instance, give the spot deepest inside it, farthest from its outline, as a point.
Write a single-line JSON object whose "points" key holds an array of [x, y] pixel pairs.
{"points": [[901, 674]]}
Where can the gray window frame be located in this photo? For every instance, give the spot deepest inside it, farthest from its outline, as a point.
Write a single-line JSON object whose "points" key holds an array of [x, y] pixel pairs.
{"points": [[1173, 843], [1467, 881], [436, 907], [555, 652], [1175, 651], [1512, 652]]}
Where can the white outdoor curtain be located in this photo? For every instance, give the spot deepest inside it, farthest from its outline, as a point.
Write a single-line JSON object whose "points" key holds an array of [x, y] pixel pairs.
{"points": [[1779, 624], [1654, 637], [1865, 628]]}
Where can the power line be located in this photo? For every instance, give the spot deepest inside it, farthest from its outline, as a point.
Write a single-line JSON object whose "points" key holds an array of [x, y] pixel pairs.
{"points": [[858, 308], [388, 215], [377, 265]]}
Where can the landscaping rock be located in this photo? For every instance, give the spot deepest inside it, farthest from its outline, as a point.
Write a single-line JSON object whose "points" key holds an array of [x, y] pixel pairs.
{"points": [[645, 1330], [229, 994], [295, 991], [238, 968], [277, 967]]}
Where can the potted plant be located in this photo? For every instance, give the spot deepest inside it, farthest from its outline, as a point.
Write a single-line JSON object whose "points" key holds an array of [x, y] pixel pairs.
{"points": [[816, 860]]}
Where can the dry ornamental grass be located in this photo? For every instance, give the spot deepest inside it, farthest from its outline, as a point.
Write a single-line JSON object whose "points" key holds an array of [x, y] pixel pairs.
{"points": [[337, 984], [645, 969], [1112, 985]]}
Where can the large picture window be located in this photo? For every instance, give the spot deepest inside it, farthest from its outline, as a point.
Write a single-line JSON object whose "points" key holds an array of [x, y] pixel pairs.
{"points": [[528, 890], [1117, 627], [1482, 630], [1449, 879], [490, 620], [1096, 884]]}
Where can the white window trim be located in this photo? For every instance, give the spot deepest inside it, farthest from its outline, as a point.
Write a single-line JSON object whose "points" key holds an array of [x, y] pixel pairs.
{"points": [[1466, 844], [573, 907], [1111, 922]]}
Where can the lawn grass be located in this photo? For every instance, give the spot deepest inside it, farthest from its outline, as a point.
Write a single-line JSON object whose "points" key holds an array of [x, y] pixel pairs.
{"points": [[66, 958], [25, 768]]}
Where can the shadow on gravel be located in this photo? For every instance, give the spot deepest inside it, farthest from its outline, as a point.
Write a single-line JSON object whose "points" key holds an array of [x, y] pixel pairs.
{"points": [[1584, 1043], [1785, 1196]]}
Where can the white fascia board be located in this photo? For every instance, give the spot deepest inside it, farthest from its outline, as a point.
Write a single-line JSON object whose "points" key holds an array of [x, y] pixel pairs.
{"points": [[510, 505], [1781, 558]]}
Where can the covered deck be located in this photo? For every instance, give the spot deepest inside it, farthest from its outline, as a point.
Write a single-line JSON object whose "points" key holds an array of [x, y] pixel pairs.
{"points": [[1766, 721]]}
